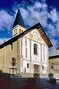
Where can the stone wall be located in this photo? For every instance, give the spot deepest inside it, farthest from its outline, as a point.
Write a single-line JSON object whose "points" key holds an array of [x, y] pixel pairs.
{"points": [[54, 66]]}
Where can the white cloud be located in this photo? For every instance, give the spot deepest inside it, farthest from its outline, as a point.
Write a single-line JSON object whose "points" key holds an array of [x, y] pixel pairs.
{"points": [[38, 5], [53, 15], [39, 13], [54, 42], [51, 30], [5, 20], [34, 14]]}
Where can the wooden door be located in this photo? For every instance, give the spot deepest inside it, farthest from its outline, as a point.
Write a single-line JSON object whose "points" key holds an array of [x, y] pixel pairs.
{"points": [[36, 68]]}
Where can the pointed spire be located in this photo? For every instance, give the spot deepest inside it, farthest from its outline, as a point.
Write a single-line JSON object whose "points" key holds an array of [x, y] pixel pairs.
{"points": [[18, 19]]}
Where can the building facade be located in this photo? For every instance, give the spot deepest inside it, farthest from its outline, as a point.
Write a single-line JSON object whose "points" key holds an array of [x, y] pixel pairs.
{"points": [[54, 62], [26, 52]]}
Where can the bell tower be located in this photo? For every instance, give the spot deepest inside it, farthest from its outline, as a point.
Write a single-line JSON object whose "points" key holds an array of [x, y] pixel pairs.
{"points": [[18, 26]]}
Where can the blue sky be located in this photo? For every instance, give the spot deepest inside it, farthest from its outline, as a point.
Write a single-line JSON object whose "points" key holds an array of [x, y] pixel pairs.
{"points": [[44, 11]]}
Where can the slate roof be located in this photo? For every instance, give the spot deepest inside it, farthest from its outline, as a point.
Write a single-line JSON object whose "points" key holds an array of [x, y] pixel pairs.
{"points": [[18, 19]]}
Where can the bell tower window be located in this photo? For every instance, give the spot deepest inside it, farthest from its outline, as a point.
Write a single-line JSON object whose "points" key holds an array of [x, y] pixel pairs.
{"points": [[15, 32]]}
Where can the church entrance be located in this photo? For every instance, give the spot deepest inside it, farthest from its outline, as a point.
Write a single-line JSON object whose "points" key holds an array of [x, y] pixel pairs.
{"points": [[36, 68]]}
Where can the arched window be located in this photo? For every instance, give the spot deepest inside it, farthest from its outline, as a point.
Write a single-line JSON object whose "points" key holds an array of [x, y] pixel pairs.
{"points": [[27, 65], [42, 67], [35, 49], [52, 67], [13, 61]]}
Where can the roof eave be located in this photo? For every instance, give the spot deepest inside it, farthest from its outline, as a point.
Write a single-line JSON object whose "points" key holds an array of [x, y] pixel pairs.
{"points": [[25, 32]]}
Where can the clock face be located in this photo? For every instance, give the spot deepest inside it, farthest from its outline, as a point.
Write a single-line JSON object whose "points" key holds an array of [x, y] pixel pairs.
{"points": [[36, 35]]}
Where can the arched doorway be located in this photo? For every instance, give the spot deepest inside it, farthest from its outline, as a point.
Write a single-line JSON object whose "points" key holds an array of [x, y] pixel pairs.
{"points": [[36, 68]]}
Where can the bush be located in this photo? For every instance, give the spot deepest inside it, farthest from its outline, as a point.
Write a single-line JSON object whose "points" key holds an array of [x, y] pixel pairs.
{"points": [[51, 76], [36, 75], [1, 71]]}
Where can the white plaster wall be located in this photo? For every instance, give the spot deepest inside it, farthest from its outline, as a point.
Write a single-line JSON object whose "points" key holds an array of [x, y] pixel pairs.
{"points": [[40, 59], [45, 61], [46, 54], [47, 58], [45, 69], [23, 48], [28, 49], [35, 58], [25, 66], [43, 54], [25, 59]]}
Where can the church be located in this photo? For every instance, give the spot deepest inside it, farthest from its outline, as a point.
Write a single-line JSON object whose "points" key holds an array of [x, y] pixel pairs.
{"points": [[26, 52]]}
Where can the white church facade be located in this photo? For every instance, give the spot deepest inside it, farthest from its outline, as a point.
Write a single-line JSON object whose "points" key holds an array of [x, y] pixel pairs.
{"points": [[26, 52]]}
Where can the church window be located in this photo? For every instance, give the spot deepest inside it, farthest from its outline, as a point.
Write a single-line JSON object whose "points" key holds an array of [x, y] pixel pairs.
{"points": [[20, 30], [27, 65], [42, 67], [35, 49], [13, 61], [14, 32], [52, 67]]}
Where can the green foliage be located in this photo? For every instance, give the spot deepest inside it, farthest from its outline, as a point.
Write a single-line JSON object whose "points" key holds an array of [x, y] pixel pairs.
{"points": [[36, 75], [50, 76]]}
